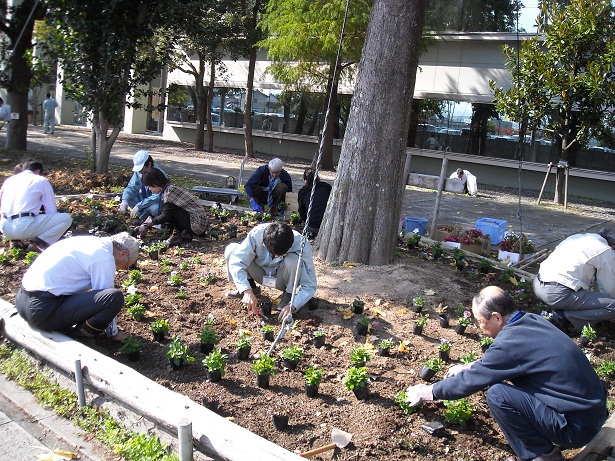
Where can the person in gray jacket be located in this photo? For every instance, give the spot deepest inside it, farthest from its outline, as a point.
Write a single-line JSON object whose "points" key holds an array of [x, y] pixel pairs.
{"points": [[543, 393], [269, 255]]}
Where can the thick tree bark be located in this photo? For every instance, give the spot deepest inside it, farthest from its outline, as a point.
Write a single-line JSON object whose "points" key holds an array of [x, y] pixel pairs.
{"points": [[210, 98], [201, 106], [104, 143], [326, 162], [361, 221], [249, 144]]}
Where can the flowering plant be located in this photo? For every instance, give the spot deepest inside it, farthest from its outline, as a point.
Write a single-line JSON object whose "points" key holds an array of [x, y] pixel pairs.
{"points": [[465, 319], [444, 345], [512, 242]]}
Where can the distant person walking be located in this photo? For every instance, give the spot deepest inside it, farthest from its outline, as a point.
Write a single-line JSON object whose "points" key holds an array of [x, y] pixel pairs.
{"points": [[432, 143], [49, 106]]}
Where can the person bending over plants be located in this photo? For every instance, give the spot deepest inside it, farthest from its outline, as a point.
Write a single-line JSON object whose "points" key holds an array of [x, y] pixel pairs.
{"points": [[544, 398], [269, 255], [179, 209]]}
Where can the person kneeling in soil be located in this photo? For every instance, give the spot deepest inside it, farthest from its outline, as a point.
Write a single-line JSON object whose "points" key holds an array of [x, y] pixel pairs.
{"points": [[268, 186], [179, 209], [269, 255], [544, 394], [141, 201], [70, 286]]}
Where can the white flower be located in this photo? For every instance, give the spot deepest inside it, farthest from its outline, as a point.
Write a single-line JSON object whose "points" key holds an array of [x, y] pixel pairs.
{"points": [[117, 198], [173, 273], [131, 290]]}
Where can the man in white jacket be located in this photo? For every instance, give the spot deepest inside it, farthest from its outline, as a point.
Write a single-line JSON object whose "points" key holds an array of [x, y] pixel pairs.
{"points": [[468, 179]]}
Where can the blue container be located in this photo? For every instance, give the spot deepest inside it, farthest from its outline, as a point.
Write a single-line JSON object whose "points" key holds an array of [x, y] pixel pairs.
{"points": [[417, 225], [494, 228]]}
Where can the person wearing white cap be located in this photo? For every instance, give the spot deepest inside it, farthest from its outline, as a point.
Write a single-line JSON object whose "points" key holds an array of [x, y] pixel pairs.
{"points": [[136, 196]]}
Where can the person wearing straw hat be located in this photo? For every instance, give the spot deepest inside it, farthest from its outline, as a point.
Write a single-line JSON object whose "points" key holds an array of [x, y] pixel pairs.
{"points": [[140, 199]]}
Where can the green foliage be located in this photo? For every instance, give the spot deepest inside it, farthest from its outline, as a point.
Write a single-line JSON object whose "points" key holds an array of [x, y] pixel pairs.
{"points": [[413, 240], [355, 378], [132, 345], [469, 357], [459, 255], [422, 320], [264, 365], [134, 277], [465, 318], [320, 332], [216, 361], [444, 345], [434, 364], [133, 299], [267, 328], [295, 218], [606, 368], [418, 301], [178, 351], [485, 340], [5, 259], [208, 336], [313, 375], [176, 280], [292, 352], [358, 303], [137, 312], [30, 257], [210, 319], [588, 332], [458, 411], [208, 277], [400, 399], [17, 253], [244, 341], [359, 356], [436, 250], [385, 344], [364, 321], [485, 264], [160, 326], [181, 294]]}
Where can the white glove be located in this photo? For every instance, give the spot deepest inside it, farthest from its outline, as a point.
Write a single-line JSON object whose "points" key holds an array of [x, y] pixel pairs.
{"points": [[456, 369], [123, 207], [134, 212], [418, 394]]}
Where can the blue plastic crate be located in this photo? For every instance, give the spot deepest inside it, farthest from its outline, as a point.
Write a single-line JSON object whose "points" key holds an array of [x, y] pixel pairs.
{"points": [[416, 224], [494, 228]]}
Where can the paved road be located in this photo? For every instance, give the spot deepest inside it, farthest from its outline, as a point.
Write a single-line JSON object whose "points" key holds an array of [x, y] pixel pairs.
{"points": [[544, 225]]}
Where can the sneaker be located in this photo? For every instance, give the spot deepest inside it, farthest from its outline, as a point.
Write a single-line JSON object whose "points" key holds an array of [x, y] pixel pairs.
{"points": [[554, 455], [187, 236], [559, 320]]}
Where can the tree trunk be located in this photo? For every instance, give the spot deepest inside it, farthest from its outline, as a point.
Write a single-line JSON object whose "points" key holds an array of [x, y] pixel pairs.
{"points": [[301, 115], [105, 143], [249, 144], [210, 98], [201, 106], [326, 161], [362, 216]]}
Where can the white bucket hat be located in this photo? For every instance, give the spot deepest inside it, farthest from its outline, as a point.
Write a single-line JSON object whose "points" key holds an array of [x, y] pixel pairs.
{"points": [[139, 160]]}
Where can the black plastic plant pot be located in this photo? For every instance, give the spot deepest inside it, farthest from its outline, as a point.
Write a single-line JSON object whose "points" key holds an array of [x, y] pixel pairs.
{"points": [[176, 366], [265, 307], [443, 320], [411, 246], [583, 341], [361, 393], [311, 390], [484, 347], [313, 304], [243, 353], [358, 309], [153, 254], [262, 381], [212, 405], [319, 341], [460, 329], [426, 373], [158, 336], [361, 329], [206, 348], [268, 335], [223, 219], [460, 266], [417, 329], [417, 309], [384, 352], [483, 270], [214, 376], [280, 422], [133, 357], [444, 355], [290, 364]]}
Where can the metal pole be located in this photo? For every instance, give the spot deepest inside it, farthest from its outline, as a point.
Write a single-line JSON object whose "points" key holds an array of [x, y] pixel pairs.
{"points": [[544, 183], [432, 228], [79, 383], [566, 188], [184, 437]]}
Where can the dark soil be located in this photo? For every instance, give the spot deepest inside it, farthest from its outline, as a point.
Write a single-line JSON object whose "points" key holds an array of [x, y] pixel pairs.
{"points": [[381, 431]]}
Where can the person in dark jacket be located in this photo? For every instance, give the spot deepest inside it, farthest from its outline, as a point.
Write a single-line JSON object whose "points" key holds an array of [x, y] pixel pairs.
{"points": [[543, 391], [319, 202], [268, 186]]}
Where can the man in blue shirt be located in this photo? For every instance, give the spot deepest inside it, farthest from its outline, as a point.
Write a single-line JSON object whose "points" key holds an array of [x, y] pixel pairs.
{"points": [[268, 186], [137, 196]]}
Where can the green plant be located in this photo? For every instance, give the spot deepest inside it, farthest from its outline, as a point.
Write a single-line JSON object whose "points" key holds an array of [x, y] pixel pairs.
{"points": [[244, 341], [320, 332], [160, 326], [181, 293], [216, 361], [357, 303], [245, 219], [268, 329], [444, 345], [485, 264], [264, 365], [154, 246], [30, 257], [418, 301], [436, 250], [196, 260], [175, 279], [413, 240], [132, 345], [17, 253], [134, 276], [165, 265], [210, 319], [364, 321], [485, 341], [422, 320], [208, 277], [355, 378], [434, 364], [295, 218], [469, 357], [208, 336], [132, 299], [588, 332], [5, 259], [465, 319], [313, 376], [359, 356], [137, 312], [400, 399], [183, 266], [178, 351], [458, 411], [385, 344], [459, 256], [292, 353], [606, 368]]}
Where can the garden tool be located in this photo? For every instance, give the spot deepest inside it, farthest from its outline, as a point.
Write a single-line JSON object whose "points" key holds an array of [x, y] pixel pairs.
{"points": [[339, 439], [287, 325]]}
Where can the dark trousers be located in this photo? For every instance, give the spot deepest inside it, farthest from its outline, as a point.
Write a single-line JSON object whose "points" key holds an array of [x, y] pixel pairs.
{"points": [[532, 428], [178, 218], [45, 311], [278, 193]]}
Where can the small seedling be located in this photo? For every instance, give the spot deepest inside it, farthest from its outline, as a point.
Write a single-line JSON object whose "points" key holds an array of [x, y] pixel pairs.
{"points": [[178, 351], [355, 378], [175, 280], [137, 312], [216, 361], [458, 411], [469, 357], [132, 345], [400, 399], [434, 364], [132, 299], [313, 376], [588, 332], [359, 356], [30, 257], [606, 368]]}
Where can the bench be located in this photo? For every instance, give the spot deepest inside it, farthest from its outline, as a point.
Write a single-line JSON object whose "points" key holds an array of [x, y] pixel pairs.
{"points": [[205, 192], [427, 181]]}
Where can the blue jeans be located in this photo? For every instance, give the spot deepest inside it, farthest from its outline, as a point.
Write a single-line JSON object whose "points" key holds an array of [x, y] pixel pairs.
{"points": [[532, 428]]}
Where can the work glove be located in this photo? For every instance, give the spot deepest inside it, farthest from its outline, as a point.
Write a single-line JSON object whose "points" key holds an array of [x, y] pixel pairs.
{"points": [[255, 206], [134, 212], [418, 394], [456, 369], [123, 207]]}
